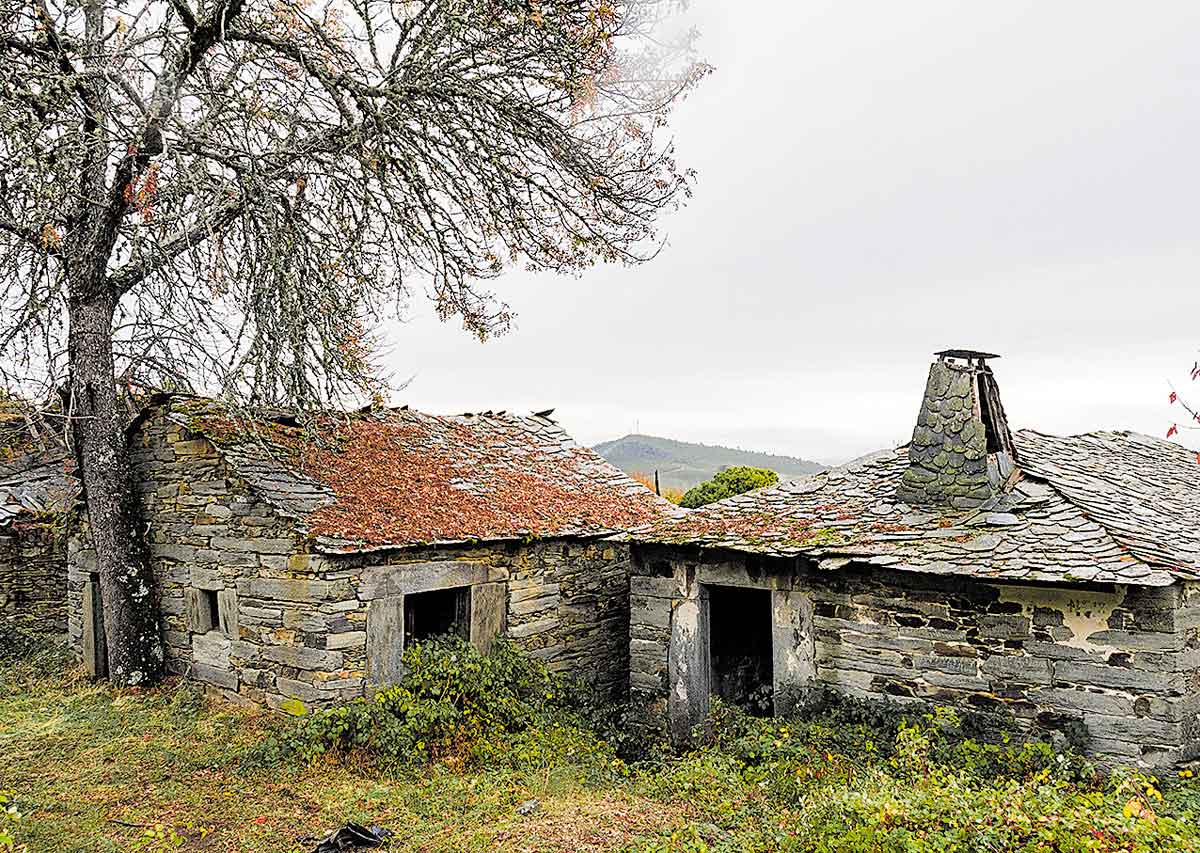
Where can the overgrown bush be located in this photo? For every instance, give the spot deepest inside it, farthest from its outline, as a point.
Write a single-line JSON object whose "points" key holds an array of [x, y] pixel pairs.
{"points": [[637, 731], [455, 706], [824, 722], [863, 778]]}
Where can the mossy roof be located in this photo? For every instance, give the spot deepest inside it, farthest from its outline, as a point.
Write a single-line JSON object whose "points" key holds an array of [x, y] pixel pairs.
{"points": [[1105, 507]]}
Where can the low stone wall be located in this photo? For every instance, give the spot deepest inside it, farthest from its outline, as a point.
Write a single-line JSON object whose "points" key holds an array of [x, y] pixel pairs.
{"points": [[1121, 660], [33, 578], [249, 611]]}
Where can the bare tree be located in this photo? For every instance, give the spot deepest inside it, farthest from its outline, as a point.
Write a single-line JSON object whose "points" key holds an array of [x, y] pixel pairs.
{"points": [[226, 194], [1192, 419]]}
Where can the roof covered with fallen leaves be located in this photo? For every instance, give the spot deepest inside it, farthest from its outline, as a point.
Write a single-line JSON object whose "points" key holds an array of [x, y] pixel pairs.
{"points": [[398, 477], [1105, 507]]}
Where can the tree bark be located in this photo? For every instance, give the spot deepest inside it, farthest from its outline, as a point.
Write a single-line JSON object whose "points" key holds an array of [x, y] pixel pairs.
{"points": [[127, 590]]}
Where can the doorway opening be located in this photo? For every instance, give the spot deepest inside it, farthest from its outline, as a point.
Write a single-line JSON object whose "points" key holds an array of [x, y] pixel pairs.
{"points": [[436, 613], [740, 656]]}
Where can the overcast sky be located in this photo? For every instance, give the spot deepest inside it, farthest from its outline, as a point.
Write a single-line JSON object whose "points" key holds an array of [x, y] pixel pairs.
{"points": [[878, 181]]}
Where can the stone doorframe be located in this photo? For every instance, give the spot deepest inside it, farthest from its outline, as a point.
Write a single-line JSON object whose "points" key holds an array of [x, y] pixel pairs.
{"points": [[689, 668], [390, 584]]}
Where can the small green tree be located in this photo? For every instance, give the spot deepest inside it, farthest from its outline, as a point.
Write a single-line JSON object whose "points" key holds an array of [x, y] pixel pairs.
{"points": [[724, 484]]}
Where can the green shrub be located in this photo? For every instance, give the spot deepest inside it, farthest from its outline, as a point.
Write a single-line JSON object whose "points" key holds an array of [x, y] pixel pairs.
{"points": [[824, 724], [770, 785], [724, 484], [637, 731], [456, 706]]}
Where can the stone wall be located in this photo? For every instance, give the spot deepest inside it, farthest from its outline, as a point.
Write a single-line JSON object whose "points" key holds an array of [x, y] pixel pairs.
{"points": [[207, 533], [251, 612], [567, 600], [33, 578], [1123, 660]]}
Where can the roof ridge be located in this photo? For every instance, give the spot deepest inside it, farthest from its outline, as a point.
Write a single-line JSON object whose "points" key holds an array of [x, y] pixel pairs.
{"points": [[272, 412], [1095, 433]]}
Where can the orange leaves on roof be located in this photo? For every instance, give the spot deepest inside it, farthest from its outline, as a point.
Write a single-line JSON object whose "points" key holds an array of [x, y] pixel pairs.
{"points": [[408, 478]]}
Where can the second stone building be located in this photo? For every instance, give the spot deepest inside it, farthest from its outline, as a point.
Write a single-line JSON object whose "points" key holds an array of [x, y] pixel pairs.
{"points": [[1052, 578]]}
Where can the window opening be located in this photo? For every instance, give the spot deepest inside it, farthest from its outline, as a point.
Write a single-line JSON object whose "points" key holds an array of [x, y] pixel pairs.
{"points": [[437, 613], [212, 610]]}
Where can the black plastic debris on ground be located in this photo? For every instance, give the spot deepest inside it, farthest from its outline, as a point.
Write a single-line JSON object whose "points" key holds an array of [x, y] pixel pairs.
{"points": [[354, 836]]}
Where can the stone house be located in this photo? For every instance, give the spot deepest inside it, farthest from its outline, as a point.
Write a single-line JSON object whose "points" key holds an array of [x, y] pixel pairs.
{"points": [[1053, 577], [35, 491], [296, 561]]}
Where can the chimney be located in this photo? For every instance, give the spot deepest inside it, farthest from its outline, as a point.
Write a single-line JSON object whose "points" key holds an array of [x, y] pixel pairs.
{"points": [[961, 453]]}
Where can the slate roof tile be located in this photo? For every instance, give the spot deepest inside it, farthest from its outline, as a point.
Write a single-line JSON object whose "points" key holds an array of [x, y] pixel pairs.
{"points": [[393, 478], [35, 479], [1103, 507]]}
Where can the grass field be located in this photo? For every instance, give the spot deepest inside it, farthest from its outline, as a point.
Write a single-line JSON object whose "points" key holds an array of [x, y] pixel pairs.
{"points": [[97, 769], [94, 769]]}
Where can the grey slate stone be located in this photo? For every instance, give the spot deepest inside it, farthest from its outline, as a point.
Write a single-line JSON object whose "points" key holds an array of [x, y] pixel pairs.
{"points": [[303, 657]]}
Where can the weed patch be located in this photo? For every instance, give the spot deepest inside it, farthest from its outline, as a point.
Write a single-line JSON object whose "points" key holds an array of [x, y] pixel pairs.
{"points": [[497, 753], [456, 707]]}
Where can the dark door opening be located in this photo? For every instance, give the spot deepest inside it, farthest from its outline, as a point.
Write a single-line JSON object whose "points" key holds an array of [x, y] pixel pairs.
{"points": [[437, 612], [740, 647]]}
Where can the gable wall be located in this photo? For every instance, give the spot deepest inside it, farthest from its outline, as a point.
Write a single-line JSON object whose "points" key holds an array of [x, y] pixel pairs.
{"points": [[295, 623], [33, 578], [1122, 660]]}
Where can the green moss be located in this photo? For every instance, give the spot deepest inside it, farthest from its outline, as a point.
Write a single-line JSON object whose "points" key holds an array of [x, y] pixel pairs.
{"points": [[293, 707]]}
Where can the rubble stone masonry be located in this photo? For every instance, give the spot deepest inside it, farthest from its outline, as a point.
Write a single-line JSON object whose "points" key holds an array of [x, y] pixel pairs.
{"points": [[33, 578], [1122, 660], [294, 626]]}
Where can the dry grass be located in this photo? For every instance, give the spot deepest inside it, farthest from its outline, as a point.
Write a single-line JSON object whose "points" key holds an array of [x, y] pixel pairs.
{"points": [[96, 769], [647, 480]]}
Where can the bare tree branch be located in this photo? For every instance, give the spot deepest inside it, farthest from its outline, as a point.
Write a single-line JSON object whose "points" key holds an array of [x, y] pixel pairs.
{"points": [[229, 197], [229, 165]]}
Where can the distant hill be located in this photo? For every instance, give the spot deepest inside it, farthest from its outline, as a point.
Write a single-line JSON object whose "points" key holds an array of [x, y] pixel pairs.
{"points": [[682, 464]]}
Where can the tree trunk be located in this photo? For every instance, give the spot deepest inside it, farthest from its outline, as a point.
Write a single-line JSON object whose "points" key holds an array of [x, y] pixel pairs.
{"points": [[131, 622]]}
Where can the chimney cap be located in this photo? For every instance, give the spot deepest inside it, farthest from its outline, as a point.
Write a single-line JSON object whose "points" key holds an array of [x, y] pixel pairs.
{"points": [[965, 353]]}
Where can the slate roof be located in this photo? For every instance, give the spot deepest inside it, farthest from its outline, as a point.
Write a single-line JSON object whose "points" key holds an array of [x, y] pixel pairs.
{"points": [[34, 482], [1107, 507], [398, 477]]}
